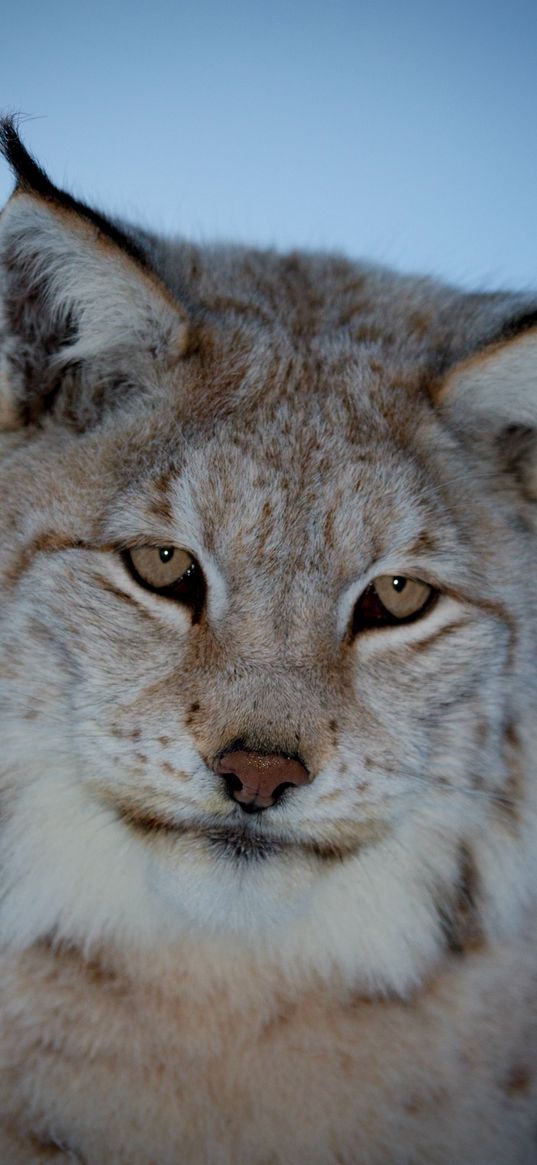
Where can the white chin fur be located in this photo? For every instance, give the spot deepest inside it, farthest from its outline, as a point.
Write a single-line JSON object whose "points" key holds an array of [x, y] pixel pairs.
{"points": [[74, 871]]}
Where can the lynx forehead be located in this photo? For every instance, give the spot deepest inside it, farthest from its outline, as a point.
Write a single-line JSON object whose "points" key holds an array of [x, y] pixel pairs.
{"points": [[267, 699]]}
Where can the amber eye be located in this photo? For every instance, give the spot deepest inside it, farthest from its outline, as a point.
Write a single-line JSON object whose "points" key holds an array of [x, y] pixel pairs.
{"points": [[392, 599], [168, 570]]}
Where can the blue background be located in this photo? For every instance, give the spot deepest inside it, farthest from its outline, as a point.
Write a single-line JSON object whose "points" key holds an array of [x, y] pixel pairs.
{"points": [[402, 132]]}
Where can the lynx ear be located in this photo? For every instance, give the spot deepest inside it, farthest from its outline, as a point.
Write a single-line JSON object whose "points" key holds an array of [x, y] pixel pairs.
{"points": [[81, 312], [492, 399]]}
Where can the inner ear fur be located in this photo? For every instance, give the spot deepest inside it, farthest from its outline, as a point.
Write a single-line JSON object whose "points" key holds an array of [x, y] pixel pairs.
{"points": [[80, 308], [491, 399]]}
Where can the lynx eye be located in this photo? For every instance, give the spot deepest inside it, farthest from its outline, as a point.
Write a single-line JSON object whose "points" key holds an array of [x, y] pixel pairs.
{"points": [[392, 599], [169, 571]]}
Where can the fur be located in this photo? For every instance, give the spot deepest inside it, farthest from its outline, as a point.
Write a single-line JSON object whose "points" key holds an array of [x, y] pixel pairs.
{"points": [[347, 978]]}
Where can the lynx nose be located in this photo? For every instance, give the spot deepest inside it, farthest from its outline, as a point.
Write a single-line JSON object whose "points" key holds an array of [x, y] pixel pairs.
{"points": [[256, 780]]}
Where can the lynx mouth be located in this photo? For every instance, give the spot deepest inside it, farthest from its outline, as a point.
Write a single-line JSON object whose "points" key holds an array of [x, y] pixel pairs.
{"points": [[233, 841], [238, 842], [229, 841], [243, 845]]}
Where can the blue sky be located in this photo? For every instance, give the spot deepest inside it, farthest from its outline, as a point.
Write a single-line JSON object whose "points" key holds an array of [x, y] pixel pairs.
{"points": [[400, 132]]}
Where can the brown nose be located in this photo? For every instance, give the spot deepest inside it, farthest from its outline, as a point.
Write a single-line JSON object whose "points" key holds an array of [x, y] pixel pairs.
{"points": [[256, 780]]}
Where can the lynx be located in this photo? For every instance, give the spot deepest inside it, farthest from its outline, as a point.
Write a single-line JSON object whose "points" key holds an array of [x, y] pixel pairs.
{"points": [[268, 626]]}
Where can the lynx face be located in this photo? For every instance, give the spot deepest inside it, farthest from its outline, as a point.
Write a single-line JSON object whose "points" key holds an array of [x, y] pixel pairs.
{"points": [[268, 599]]}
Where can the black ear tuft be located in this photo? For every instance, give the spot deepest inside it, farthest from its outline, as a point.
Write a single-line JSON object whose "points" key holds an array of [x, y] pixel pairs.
{"points": [[30, 176], [32, 179]]}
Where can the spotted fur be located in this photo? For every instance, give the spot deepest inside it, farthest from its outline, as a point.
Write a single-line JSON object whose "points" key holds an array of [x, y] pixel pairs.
{"points": [[347, 978]]}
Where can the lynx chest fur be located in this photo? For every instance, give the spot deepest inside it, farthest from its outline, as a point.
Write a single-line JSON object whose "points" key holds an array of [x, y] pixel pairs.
{"points": [[268, 696]]}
